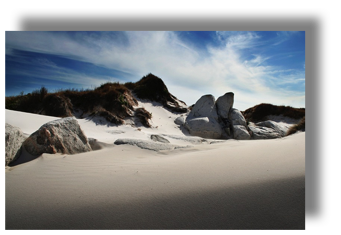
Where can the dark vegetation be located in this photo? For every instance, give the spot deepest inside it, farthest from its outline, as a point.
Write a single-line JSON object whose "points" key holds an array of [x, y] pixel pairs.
{"points": [[298, 127], [112, 101], [152, 88], [260, 112], [144, 116]]}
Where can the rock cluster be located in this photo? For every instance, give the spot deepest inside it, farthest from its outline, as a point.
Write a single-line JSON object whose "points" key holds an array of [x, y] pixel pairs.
{"points": [[217, 119], [203, 119]]}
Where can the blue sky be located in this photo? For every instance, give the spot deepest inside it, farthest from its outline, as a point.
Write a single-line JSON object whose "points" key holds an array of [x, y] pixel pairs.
{"points": [[259, 67]]}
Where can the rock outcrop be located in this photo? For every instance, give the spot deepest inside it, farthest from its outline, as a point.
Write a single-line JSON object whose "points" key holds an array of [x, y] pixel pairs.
{"points": [[14, 138], [238, 125], [202, 121], [204, 107], [219, 120], [158, 138], [60, 136], [145, 144], [224, 104], [267, 130], [204, 127]]}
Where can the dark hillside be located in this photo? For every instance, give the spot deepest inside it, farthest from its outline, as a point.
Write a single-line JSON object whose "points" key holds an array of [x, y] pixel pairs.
{"points": [[112, 101], [152, 88], [260, 112]]}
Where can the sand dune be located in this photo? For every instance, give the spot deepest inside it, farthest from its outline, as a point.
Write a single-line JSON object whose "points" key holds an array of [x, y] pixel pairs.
{"points": [[251, 184]]}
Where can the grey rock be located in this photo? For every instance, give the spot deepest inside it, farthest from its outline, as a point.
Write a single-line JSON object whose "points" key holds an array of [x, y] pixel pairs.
{"points": [[180, 120], [204, 107], [14, 138], [204, 127], [158, 138], [267, 130], [236, 117], [273, 125], [224, 104], [238, 125], [190, 139], [259, 132], [202, 121], [145, 144], [240, 132], [59, 136]]}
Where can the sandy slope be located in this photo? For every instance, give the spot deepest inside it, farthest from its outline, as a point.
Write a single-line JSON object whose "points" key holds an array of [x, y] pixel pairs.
{"points": [[255, 184]]}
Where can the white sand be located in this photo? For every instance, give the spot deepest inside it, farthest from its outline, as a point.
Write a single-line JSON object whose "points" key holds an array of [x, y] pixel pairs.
{"points": [[256, 184]]}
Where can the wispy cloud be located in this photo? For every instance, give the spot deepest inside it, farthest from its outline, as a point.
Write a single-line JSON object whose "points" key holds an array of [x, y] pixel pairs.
{"points": [[283, 36], [232, 64]]}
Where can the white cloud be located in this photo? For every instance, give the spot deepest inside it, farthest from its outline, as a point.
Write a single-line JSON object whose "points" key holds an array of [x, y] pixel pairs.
{"points": [[164, 54]]}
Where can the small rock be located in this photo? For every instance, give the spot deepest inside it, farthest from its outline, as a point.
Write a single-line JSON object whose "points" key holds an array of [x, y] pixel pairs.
{"points": [[145, 144], [158, 138]]}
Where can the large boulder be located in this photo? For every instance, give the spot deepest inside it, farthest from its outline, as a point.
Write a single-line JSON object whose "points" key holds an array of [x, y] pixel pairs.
{"points": [[202, 121], [60, 136], [282, 130], [204, 107], [267, 130], [238, 125], [260, 132], [14, 138], [240, 132], [204, 127], [236, 117], [224, 104]]}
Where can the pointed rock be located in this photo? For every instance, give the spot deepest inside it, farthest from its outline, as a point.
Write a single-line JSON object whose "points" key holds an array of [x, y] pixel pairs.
{"points": [[204, 107], [224, 104]]}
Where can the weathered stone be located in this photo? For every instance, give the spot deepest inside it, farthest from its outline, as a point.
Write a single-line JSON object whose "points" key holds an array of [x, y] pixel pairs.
{"points": [[204, 127], [236, 117], [260, 132], [204, 107], [282, 130], [268, 130], [14, 138], [238, 125], [180, 120], [158, 138], [59, 136], [240, 132], [224, 104], [145, 144], [202, 121]]}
